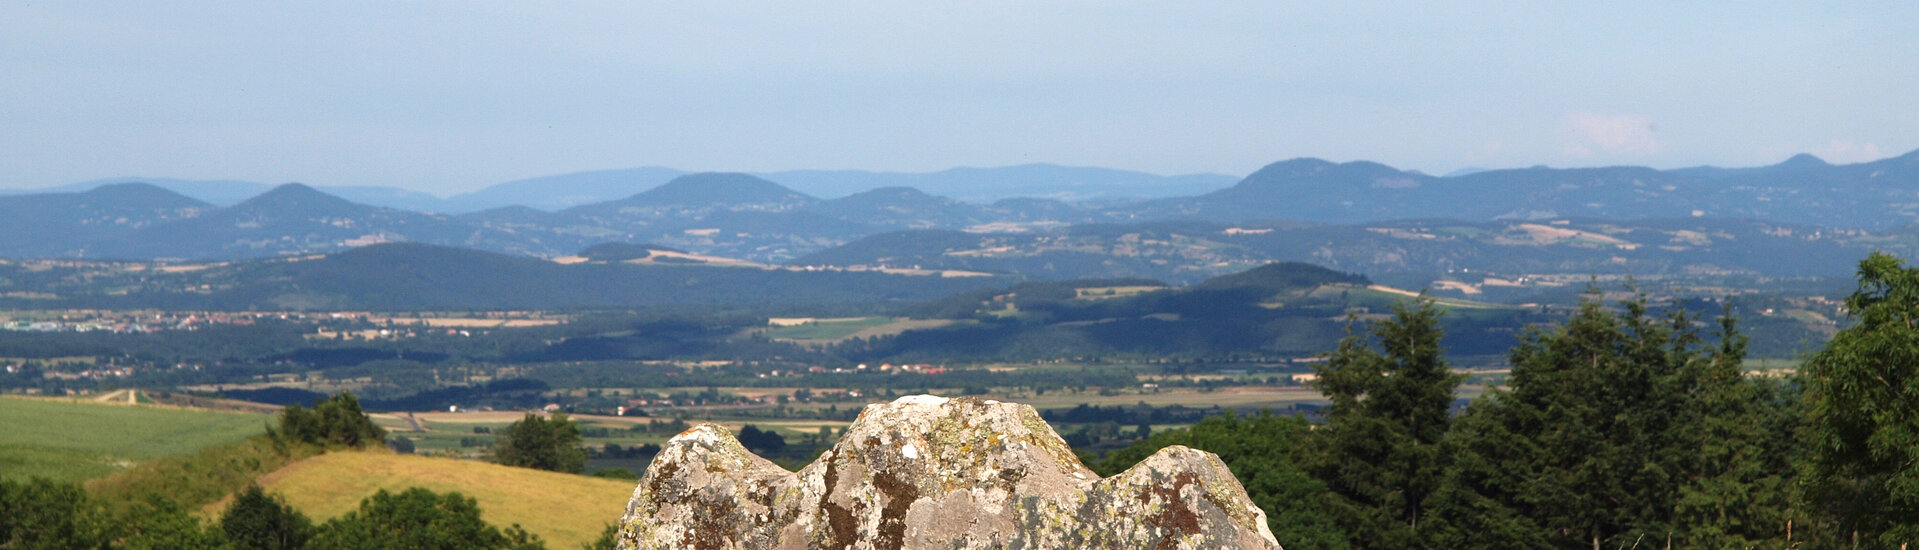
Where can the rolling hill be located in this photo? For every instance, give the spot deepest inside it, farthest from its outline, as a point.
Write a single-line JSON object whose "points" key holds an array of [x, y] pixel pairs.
{"points": [[1279, 309], [418, 276], [1482, 257], [79, 224]]}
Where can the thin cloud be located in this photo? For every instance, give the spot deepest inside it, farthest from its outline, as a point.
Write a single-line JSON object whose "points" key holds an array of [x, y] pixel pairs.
{"points": [[1846, 152], [1588, 134]]}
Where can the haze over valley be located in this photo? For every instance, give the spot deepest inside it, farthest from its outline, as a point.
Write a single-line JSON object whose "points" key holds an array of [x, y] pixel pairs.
{"points": [[847, 275]]}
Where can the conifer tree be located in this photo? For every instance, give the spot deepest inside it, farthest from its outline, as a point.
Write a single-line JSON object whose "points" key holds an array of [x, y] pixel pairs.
{"points": [[1740, 431], [1379, 450], [1585, 450]]}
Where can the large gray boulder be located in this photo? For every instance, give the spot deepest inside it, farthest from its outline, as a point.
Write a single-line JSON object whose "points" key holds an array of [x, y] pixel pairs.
{"points": [[931, 472]]}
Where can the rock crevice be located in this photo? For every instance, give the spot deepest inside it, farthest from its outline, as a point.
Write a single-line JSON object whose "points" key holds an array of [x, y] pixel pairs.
{"points": [[931, 472]]}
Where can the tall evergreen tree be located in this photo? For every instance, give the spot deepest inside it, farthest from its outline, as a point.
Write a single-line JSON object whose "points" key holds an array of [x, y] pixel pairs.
{"points": [[1863, 393], [1737, 492], [1604, 430], [1379, 449]]}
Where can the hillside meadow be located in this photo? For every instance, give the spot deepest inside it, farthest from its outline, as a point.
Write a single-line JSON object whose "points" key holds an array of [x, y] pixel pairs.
{"points": [[71, 440], [567, 510]]}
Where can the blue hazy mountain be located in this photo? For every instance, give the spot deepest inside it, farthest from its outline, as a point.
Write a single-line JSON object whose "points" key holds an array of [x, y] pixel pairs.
{"points": [[761, 219], [985, 185]]}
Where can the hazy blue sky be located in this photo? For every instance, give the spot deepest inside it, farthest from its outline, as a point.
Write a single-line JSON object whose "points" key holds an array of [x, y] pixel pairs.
{"points": [[452, 96]]}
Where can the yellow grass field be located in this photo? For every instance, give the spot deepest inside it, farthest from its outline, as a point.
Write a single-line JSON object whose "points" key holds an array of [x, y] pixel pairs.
{"points": [[565, 509]]}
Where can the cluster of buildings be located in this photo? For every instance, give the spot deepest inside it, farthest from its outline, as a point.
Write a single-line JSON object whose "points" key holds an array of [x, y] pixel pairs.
{"points": [[127, 321]]}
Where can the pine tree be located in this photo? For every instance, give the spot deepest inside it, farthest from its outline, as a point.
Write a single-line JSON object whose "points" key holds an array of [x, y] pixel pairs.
{"points": [[1737, 492], [1379, 450], [1587, 446]]}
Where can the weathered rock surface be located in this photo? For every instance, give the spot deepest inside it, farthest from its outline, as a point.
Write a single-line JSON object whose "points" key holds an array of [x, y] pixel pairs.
{"points": [[930, 472]]}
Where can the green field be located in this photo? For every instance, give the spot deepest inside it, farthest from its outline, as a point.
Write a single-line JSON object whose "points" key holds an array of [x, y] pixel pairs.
{"points": [[443, 437], [77, 440]]}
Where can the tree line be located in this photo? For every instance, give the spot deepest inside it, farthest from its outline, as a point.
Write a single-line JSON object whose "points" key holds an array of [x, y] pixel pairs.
{"points": [[1620, 428]]}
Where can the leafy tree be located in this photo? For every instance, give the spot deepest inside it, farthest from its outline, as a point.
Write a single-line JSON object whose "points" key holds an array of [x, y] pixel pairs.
{"points": [[1379, 449], [335, 422], [418, 519], [551, 443], [39, 513], [1263, 451], [764, 442], [162, 524], [256, 520], [1863, 394]]}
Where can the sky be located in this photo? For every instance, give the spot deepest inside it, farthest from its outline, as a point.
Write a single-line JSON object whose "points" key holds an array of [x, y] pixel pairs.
{"points": [[449, 97]]}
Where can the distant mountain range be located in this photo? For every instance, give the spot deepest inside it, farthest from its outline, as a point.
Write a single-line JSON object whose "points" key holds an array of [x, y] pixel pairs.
{"points": [[559, 192], [1803, 190], [1797, 218]]}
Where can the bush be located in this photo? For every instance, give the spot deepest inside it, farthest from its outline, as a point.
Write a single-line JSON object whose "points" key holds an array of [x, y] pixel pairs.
{"points": [[418, 519], [333, 422], [542, 444]]}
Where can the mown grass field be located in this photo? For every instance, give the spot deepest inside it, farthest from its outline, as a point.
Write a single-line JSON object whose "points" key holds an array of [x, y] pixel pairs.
{"points": [[565, 509], [445, 432], [77, 440], [828, 331]]}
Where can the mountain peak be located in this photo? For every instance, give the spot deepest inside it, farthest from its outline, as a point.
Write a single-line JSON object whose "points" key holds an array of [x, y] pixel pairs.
{"points": [[292, 197], [1804, 160], [707, 188], [1295, 167], [147, 192], [894, 191]]}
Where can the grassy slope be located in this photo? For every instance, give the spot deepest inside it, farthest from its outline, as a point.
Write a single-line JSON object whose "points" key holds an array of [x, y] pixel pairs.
{"points": [[826, 330], [76, 440], [567, 510]]}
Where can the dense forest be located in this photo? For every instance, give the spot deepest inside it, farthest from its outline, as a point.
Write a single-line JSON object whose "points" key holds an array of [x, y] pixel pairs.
{"points": [[1621, 428]]}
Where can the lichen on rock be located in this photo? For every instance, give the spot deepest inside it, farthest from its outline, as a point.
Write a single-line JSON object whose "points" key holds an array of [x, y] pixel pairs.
{"points": [[932, 472]]}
